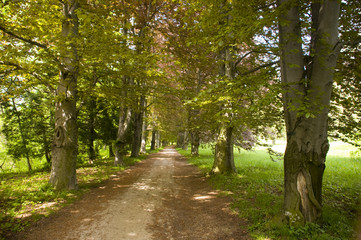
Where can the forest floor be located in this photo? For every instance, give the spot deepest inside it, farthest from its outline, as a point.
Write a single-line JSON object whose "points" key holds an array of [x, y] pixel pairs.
{"points": [[162, 197]]}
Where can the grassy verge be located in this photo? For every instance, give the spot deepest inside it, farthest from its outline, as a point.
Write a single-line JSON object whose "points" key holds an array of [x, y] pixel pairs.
{"points": [[27, 197], [257, 191]]}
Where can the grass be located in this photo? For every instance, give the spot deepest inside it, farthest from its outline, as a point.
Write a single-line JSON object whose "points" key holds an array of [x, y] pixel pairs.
{"points": [[257, 192], [25, 197]]}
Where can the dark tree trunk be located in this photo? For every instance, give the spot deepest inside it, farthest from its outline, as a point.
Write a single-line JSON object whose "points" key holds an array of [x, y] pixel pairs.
{"points": [[185, 141], [152, 143], [138, 127], [92, 133], [137, 136], [65, 141], [46, 145], [111, 153], [182, 140], [158, 142]]}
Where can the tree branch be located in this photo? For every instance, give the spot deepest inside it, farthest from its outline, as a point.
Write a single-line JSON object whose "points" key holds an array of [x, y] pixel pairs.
{"points": [[23, 39], [338, 47], [258, 68], [34, 74]]}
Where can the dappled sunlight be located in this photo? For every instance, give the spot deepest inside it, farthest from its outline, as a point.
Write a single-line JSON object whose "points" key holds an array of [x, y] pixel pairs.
{"points": [[42, 208], [121, 186], [87, 220], [205, 197], [143, 186], [132, 234]]}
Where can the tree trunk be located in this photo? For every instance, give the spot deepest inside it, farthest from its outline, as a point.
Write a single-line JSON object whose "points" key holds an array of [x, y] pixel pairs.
{"points": [[138, 127], [23, 137], [306, 99], [119, 146], [195, 143], [223, 157], [152, 143], [110, 150], [185, 141], [46, 144], [143, 149], [92, 133], [180, 139], [137, 136], [65, 141], [158, 142]]}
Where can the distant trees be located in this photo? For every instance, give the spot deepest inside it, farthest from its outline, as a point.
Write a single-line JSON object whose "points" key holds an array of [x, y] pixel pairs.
{"points": [[27, 126]]}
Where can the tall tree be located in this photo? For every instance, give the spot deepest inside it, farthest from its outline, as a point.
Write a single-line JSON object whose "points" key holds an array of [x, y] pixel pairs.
{"points": [[65, 141], [307, 76]]}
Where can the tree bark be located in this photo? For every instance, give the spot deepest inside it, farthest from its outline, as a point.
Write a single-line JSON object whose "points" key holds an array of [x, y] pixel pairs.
{"points": [[180, 139], [46, 145], [125, 116], [223, 157], [185, 141], [195, 142], [138, 128], [158, 142], [306, 104], [65, 141], [92, 133], [143, 149], [152, 143]]}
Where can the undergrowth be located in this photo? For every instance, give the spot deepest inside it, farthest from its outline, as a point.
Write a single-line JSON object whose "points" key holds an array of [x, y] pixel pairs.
{"points": [[257, 192]]}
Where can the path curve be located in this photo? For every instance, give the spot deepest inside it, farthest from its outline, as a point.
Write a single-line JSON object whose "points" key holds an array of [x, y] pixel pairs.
{"points": [[162, 197]]}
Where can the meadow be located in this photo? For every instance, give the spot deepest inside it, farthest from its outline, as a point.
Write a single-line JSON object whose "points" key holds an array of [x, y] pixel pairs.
{"points": [[257, 192]]}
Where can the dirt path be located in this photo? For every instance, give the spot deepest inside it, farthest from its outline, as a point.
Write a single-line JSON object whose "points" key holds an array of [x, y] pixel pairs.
{"points": [[162, 197]]}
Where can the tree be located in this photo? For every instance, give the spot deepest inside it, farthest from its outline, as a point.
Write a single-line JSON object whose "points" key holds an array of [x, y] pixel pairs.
{"points": [[307, 76], [345, 111], [65, 141], [229, 31], [28, 125]]}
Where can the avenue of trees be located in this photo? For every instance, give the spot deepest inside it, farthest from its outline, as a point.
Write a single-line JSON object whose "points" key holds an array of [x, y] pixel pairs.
{"points": [[79, 75]]}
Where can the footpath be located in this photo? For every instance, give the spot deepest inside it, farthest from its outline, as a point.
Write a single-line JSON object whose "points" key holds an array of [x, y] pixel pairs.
{"points": [[162, 197]]}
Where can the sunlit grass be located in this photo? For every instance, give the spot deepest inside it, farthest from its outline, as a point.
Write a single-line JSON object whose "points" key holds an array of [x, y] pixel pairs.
{"points": [[257, 191]]}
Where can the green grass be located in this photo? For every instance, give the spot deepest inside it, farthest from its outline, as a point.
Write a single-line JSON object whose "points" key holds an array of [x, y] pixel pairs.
{"points": [[257, 192], [26, 197]]}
